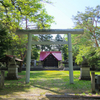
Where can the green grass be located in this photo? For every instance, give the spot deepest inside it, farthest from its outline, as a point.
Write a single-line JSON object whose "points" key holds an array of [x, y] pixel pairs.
{"points": [[42, 82]]}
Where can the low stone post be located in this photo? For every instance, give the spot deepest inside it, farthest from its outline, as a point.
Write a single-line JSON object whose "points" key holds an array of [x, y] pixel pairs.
{"points": [[93, 82], [34, 62], [98, 82], [2, 77]]}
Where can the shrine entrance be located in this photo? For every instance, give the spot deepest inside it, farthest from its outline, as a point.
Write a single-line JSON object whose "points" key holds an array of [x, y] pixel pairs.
{"points": [[50, 31], [50, 61]]}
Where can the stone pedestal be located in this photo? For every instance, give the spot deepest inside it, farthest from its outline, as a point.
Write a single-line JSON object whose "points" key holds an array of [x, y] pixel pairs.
{"points": [[12, 72], [85, 73], [2, 77], [85, 70]]}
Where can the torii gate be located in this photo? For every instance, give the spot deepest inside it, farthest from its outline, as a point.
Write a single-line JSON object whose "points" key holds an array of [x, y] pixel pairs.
{"points": [[50, 31]]}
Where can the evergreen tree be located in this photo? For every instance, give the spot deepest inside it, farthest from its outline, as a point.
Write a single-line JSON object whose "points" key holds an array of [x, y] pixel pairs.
{"points": [[58, 38], [65, 52], [45, 37]]}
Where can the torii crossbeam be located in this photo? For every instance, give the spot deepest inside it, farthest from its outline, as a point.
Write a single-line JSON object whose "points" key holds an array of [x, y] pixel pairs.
{"points": [[50, 31]]}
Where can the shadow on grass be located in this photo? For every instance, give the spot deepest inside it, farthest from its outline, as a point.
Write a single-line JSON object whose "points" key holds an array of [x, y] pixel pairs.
{"points": [[53, 81], [11, 86], [59, 83]]}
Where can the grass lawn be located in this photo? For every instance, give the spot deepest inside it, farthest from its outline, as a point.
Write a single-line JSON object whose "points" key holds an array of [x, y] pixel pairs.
{"points": [[41, 82]]}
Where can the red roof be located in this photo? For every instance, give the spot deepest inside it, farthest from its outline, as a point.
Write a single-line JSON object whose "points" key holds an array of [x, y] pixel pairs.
{"points": [[45, 54]]}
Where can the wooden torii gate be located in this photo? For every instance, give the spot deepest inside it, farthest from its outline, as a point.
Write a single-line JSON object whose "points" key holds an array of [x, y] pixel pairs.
{"points": [[50, 31]]}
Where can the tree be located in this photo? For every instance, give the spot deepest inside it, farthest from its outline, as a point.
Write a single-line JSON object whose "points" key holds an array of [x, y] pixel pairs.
{"points": [[65, 52], [5, 41], [45, 37], [58, 38], [12, 13], [90, 40], [89, 21], [34, 54], [44, 21]]}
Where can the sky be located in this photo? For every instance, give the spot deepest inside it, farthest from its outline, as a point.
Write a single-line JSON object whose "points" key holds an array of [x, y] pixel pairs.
{"points": [[63, 10]]}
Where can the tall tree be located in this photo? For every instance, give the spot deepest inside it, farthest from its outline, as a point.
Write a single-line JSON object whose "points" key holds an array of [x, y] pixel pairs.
{"points": [[58, 38], [13, 11], [44, 22], [34, 54], [89, 21], [45, 37], [89, 41], [65, 52]]}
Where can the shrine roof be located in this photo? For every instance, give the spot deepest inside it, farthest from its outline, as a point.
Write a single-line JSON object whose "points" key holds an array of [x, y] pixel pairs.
{"points": [[45, 54]]}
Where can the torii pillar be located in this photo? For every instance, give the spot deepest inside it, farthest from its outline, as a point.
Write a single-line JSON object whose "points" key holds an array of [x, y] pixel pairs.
{"points": [[70, 59], [28, 58]]}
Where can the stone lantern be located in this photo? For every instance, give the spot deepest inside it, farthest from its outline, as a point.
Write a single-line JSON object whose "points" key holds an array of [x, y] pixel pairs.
{"points": [[84, 70], [12, 69]]}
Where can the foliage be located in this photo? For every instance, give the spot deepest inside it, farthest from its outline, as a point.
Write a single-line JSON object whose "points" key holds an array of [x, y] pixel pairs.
{"points": [[89, 21], [65, 52], [75, 46], [83, 51], [58, 38], [5, 40], [43, 20], [88, 43], [45, 37], [12, 13], [34, 53], [90, 54], [19, 45]]}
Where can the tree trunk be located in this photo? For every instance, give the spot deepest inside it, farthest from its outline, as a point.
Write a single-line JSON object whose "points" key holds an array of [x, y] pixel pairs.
{"points": [[22, 58], [20, 66]]}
